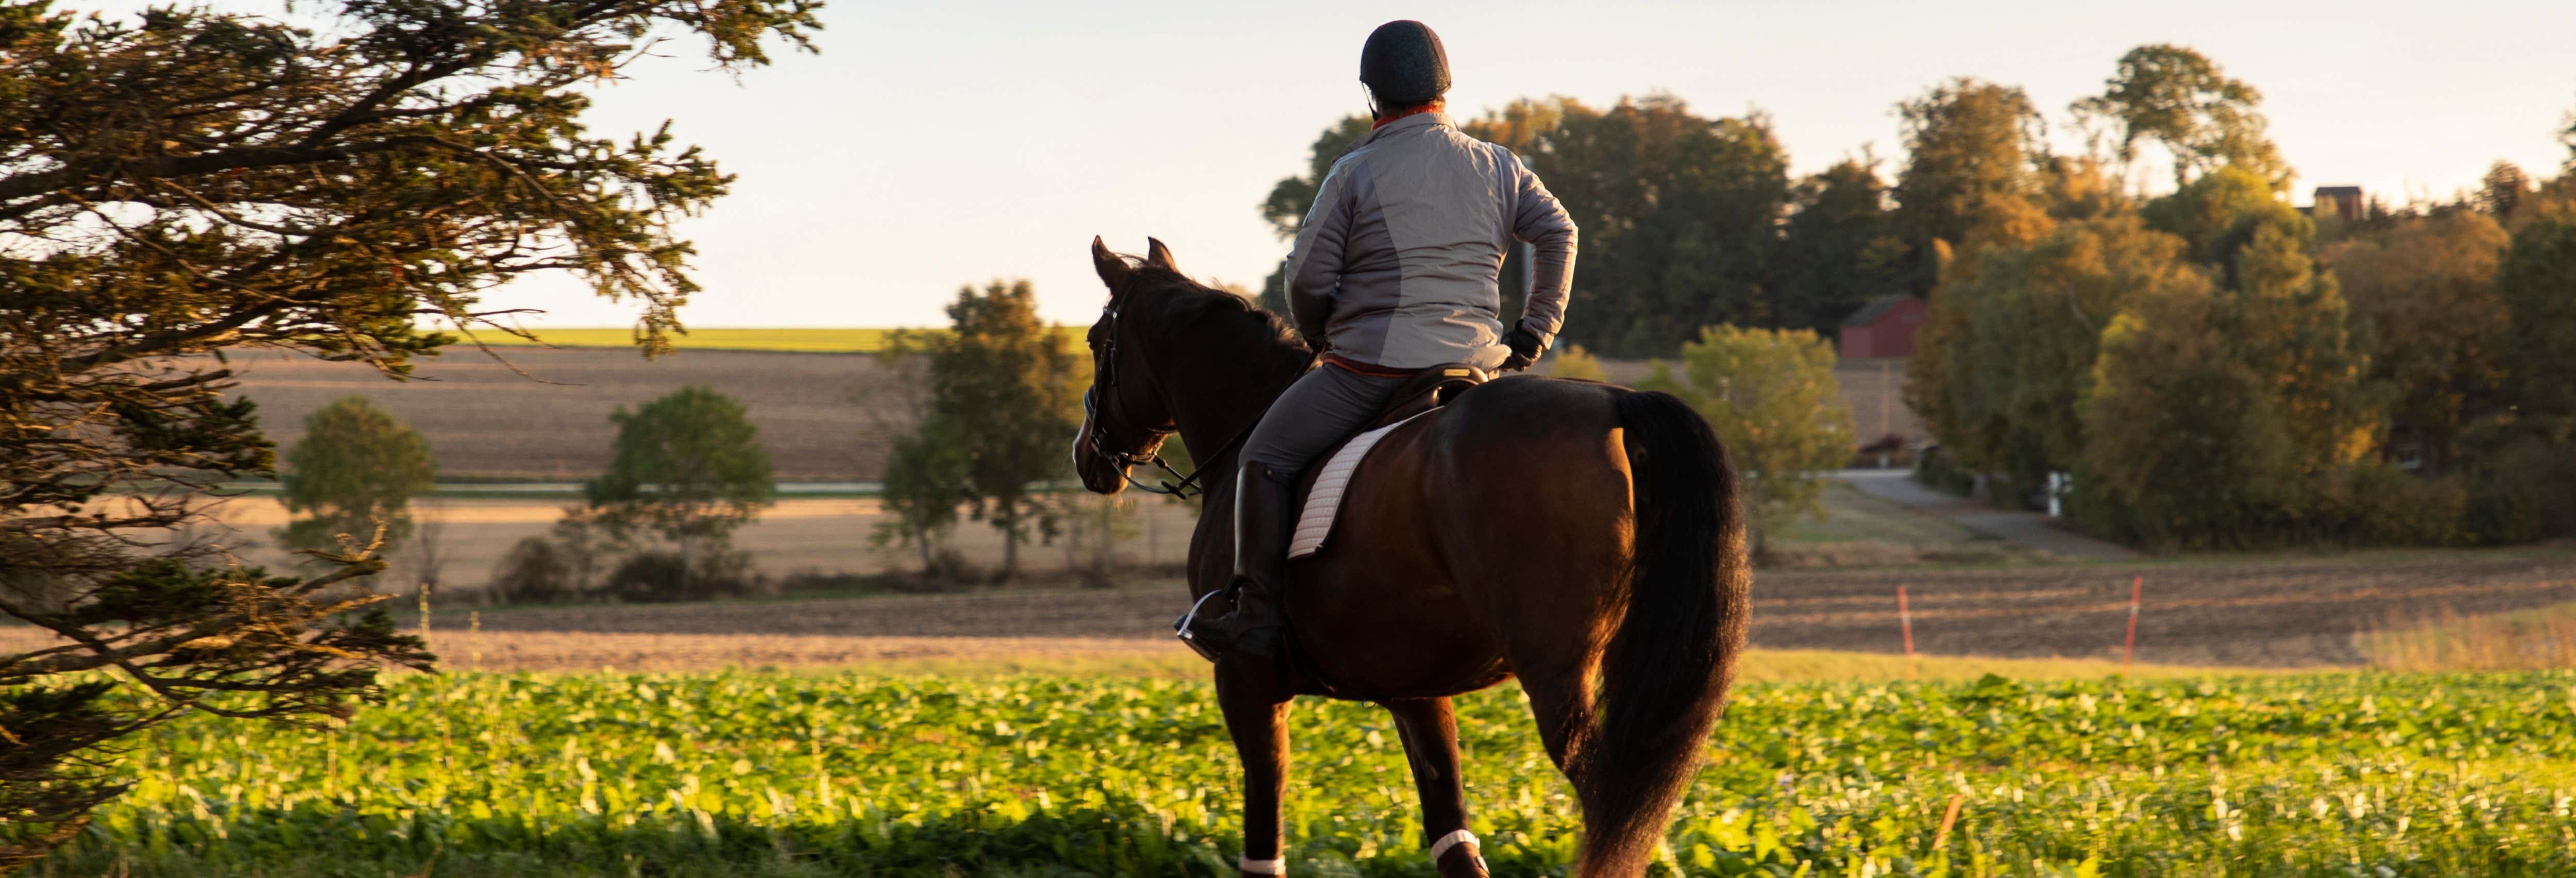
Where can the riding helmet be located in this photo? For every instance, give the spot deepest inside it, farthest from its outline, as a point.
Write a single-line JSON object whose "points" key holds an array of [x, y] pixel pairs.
{"points": [[1404, 65]]}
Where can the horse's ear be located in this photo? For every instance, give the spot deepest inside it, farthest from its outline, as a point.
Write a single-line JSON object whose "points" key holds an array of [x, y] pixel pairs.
{"points": [[1113, 269], [1160, 256]]}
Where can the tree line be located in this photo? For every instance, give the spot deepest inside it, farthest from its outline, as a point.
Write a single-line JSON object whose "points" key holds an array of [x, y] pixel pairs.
{"points": [[2209, 365], [2215, 369], [1691, 221]]}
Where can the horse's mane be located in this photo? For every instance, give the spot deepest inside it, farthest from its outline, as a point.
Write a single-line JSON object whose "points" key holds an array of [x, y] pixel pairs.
{"points": [[1191, 311]]}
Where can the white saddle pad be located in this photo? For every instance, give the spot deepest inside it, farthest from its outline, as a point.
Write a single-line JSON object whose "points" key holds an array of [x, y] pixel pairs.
{"points": [[1331, 483]]}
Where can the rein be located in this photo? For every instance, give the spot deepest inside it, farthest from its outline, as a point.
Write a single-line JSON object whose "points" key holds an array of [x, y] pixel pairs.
{"points": [[1122, 460]]}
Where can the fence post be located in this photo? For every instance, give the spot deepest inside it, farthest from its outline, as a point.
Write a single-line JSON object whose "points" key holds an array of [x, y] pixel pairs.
{"points": [[1905, 621], [1905, 618], [2129, 653]]}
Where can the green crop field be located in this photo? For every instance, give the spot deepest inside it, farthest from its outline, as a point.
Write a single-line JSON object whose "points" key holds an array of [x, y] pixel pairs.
{"points": [[776, 774], [798, 340]]}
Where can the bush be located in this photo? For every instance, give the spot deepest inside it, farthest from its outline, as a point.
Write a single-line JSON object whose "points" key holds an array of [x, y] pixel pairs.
{"points": [[1772, 398], [2367, 504], [2382, 505], [655, 576], [563, 565], [1940, 471], [536, 570], [2519, 493]]}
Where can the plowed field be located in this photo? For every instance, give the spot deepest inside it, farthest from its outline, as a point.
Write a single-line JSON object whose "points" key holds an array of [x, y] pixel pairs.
{"points": [[2272, 614]]}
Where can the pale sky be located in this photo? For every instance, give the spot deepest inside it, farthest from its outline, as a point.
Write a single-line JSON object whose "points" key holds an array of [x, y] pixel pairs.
{"points": [[933, 144]]}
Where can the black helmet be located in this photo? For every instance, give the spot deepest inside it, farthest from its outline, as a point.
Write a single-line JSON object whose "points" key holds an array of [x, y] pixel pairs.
{"points": [[1404, 65]]}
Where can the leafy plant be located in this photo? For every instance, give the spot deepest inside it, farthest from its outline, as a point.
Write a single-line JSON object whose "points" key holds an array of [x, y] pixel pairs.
{"points": [[791, 774]]}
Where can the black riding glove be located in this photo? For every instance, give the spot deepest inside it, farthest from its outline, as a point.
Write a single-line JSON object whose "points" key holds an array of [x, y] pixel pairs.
{"points": [[1525, 349]]}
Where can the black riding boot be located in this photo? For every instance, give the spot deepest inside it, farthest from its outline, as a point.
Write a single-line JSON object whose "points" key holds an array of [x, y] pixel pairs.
{"points": [[1262, 501]]}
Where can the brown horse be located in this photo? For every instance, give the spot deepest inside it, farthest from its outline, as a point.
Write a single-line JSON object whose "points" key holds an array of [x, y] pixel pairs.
{"points": [[1558, 531]]}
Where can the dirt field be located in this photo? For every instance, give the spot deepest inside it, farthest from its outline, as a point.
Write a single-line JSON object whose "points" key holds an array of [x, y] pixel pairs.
{"points": [[799, 535], [486, 422], [831, 535], [2268, 614], [2286, 614]]}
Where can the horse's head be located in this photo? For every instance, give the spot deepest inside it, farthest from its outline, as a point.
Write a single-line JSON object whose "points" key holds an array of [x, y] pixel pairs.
{"points": [[1125, 414]]}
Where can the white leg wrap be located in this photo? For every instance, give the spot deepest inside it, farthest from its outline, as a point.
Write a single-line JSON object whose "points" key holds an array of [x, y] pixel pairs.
{"points": [[1451, 840], [1250, 866]]}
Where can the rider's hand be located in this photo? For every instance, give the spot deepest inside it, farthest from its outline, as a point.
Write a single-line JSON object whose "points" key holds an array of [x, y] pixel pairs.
{"points": [[1525, 349]]}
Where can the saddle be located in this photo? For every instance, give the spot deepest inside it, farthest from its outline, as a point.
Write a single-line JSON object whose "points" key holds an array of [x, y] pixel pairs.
{"points": [[1323, 488], [1428, 389]]}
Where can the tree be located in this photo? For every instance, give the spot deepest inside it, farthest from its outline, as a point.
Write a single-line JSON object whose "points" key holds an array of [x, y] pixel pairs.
{"points": [[1772, 396], [1006, 382], [2183, 101], [2186, 451], [1969, 175], [2423, 294], [2292, 324], [925, 484], [689, 468], [1680, 214], [2219, 212], [2240, 417], [197, 180], [1839, 250], [2007, 353], [2537, 282], [357, 467], [2503, 188]]}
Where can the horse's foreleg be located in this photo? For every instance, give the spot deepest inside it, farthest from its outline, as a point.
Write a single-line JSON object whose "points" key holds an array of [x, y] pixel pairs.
{"points": [[1256, 714], [1430, 733]]}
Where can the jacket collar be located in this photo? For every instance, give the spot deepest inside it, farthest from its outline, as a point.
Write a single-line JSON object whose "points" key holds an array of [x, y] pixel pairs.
{"points": [[1408, 123]]}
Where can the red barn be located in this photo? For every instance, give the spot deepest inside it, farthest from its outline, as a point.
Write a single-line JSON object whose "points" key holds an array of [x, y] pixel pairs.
{"points": [[1883, 328]]}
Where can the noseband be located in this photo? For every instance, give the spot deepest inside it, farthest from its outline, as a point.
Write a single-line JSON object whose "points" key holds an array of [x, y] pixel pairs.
{"points": [[1120, 461]]}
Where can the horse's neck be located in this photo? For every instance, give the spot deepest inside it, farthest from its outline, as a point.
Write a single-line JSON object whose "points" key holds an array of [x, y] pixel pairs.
{"points": [[1216, 406], [1212, 414]]}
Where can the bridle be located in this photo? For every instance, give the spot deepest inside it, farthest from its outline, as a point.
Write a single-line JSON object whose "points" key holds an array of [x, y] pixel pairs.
{"points": [[1120, 461]]}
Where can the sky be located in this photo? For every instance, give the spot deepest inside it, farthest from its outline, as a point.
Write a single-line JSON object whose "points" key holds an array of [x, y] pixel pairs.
{"points": [[935, 144]]}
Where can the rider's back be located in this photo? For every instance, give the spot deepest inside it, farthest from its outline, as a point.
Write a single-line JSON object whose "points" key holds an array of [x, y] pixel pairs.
{"points": [[1398, 266]]}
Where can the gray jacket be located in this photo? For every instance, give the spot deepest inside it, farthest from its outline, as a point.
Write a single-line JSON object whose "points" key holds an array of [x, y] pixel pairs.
{"points": [[1398, 263]]}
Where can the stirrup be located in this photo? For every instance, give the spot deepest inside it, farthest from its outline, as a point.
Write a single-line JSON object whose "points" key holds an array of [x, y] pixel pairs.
{"points": [[1181, 626]]}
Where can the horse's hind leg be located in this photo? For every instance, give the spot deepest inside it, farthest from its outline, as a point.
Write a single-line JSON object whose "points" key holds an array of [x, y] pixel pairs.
{"points": [[1430, 733], [1256, 713], [1562, 703]]}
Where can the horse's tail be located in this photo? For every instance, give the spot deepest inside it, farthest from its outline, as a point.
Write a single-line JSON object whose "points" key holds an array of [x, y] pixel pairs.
{"points": [[1666, 670]]}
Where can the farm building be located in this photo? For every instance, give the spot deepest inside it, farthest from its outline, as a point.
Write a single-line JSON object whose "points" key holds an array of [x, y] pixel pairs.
{"points": [[2344, 202], [1883, 328]]}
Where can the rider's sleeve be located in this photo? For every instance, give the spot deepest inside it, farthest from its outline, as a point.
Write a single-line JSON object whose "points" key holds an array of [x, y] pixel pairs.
{"points": [[1538, 219], [1314, 270]]}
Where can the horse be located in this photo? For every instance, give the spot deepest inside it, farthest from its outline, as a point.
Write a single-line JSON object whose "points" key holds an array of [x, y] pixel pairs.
{"points": [[1553, 530]]}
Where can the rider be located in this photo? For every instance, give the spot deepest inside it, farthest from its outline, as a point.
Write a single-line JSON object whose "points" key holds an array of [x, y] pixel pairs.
{"points": [[1395, 270]]}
